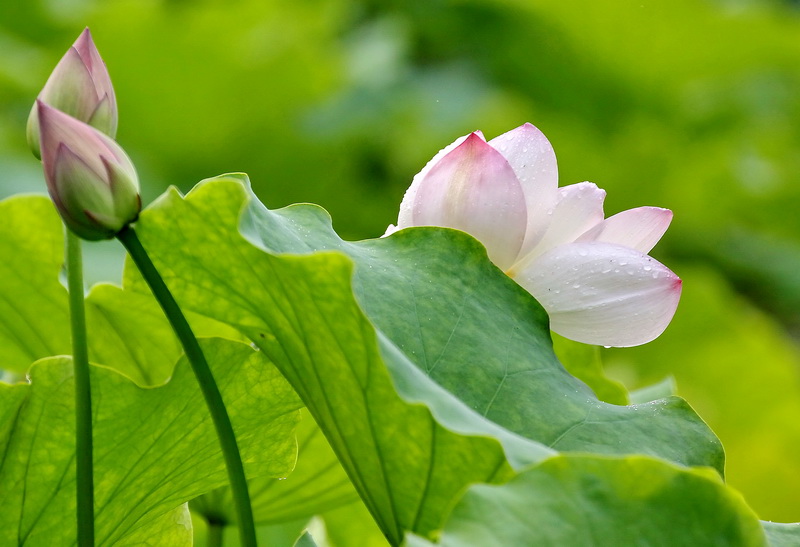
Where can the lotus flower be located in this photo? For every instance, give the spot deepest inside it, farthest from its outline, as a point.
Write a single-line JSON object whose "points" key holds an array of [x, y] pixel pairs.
{"points": [[90, 178], [79, 86], [592, 275]]}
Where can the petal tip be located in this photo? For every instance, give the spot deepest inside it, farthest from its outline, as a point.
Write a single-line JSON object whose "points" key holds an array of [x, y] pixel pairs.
{"points": [[475, 137]]}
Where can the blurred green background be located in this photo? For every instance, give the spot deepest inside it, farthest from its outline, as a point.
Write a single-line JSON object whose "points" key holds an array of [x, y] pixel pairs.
{"points": [[692, 105]]}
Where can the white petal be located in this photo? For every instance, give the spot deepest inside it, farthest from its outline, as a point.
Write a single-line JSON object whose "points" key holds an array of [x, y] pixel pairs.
{"points": [[599, 293], [531, 156], [474, 189], [404, 219], [579, 208], [639, 228]]}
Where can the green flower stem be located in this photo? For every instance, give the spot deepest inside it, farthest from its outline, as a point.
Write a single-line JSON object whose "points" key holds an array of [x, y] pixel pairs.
{"points": [[84, 473], [214, 533], [208, 386]]}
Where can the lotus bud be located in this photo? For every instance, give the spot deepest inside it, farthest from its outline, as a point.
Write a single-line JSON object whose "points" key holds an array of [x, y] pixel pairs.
{"points": [[79, 86], [90, 178]]}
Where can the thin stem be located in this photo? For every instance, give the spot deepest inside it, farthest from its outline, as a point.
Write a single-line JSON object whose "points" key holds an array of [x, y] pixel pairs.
{"points": [[84, 473], [214, 533], [213, 397]]}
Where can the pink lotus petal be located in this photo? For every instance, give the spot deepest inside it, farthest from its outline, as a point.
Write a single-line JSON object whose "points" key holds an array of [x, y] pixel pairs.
{"points": [[84, 141], [605, 294], [85, 47], [474, 189], [404, 219], [639, 228], [531, 156], [77, 185], [104, 89], [70, 87]]}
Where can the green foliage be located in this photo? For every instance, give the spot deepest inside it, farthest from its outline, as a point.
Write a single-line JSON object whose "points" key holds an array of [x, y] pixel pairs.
{"points": [[586, 500], [740, 372], [154, 448], [341, 103], [34, 302], [317, 484], [664, 388], [344, 369], [690, 105], [583, 361], [782, 535], [393, 351]]}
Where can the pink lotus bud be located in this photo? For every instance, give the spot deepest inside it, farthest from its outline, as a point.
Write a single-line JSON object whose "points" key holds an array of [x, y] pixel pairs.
{"points": [[90, 178], [79, 86]]}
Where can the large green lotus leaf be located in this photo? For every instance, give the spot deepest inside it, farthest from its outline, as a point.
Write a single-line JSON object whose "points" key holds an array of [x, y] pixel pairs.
{"points": [[435, 296], [782, 535], [659, 390], [408, 461], [581, 500], [172, 528], [127, 330], [352, 525], [743, 376], [34, 316], [129, 333], [441, 309], [316, 484], [306, 540], [584, 362], [155, 448]]}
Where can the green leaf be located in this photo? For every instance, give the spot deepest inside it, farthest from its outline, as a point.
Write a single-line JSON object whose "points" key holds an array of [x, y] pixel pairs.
{"points": [[580, 500], [317, 484], [171, 528], [782, 535], [127, 330], [407, 464], [352, 525], [436, 309], [665, 388], [34, 317], [154, 448], [129, 333], [305, 541], [436, 296], [741, 376], [584, 362]]}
